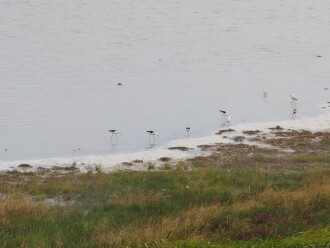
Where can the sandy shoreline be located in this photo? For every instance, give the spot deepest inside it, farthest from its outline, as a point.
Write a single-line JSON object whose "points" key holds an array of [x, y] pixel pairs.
{"points": [[138, 160]]}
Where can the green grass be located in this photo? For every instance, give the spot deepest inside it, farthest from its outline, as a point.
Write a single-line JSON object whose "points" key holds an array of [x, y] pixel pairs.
{"points": [[310, 158], [240, 196], [314, 238], [132, 208]]}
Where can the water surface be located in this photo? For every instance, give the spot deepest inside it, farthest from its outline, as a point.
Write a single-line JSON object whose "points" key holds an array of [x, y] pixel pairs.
{"points": [[179, 63]]}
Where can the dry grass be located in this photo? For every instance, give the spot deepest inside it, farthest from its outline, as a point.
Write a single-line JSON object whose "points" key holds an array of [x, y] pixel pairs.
{"points": [[17, 209], [180, 148], [254, 207], [251, 132], [139, 198], [240, 220], [221, 131], [302, 141], [239, 193]]}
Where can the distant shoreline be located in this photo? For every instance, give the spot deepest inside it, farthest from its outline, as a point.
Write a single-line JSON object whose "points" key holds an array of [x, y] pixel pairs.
{"points": [[190, 147]]}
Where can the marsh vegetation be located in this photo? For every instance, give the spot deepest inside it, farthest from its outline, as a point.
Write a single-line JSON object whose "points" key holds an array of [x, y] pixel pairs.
{"points": [[240, 196]]}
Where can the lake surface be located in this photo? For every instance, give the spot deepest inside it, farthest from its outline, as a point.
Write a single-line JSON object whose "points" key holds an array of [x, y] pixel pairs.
{"points": [[179, 63]]}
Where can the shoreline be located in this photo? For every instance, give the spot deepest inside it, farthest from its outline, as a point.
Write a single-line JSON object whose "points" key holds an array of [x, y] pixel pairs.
{"points": [[254, 189], [174, 151]]}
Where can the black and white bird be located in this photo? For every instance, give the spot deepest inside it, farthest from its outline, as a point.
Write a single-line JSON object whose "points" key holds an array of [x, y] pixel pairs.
{"points": [[293, 98], [120, 84], [152, 133], [225, 116], [265, 92], [223, 113], [294, 112], [114, 132], [188, 131]]}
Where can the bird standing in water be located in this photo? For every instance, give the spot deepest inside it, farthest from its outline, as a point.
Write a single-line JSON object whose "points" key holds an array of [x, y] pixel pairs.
{"points": [[152, 133], [265, 92], [114, 132], [293, 98]]}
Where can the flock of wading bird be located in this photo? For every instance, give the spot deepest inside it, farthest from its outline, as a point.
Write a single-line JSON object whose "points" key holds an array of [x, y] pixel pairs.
{"points": [[226, 118]]}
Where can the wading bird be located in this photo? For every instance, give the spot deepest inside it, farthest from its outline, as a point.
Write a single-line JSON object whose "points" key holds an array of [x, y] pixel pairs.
{"points": [[223, 113], [114, 132], [152, 133], [188, 131], [265, 92], [293, 98], [294, 112]]}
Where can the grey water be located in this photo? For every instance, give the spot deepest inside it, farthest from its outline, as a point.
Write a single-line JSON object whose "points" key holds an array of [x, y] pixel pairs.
{"points": [[180, 62]]}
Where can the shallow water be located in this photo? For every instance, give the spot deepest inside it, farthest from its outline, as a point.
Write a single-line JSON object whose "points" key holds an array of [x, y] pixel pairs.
{"points": [[179, 62]]}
